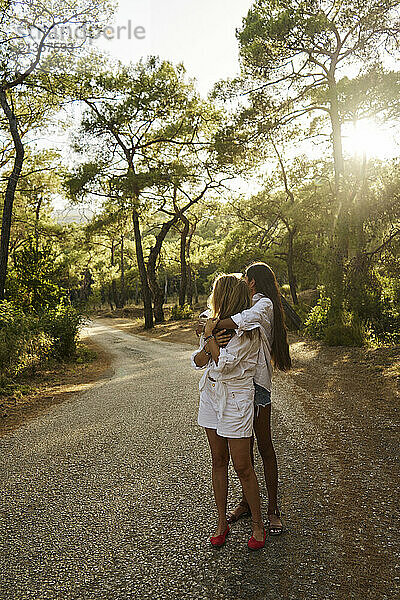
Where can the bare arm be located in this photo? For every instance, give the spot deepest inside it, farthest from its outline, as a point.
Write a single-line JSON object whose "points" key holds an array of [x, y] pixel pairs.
{"points": [[227, 324], [202, 358], [211, 346]]}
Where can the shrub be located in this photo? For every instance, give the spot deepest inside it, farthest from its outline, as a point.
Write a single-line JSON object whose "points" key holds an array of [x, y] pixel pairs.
{"points": [[22, 344], [285, 289], [317, 319], [345, 335], [181, 312], [33, 282], [63, 324]]}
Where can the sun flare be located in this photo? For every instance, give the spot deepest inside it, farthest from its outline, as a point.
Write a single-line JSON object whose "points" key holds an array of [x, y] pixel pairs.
{"points": [[370, 139]]}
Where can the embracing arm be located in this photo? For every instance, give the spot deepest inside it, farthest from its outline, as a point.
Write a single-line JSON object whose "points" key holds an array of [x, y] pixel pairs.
{"points": [[227, 324], [250, 318]]}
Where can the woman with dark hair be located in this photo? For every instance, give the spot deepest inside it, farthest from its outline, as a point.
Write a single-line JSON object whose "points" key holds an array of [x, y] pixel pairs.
{"points": [[226, 409], [267, 315]]}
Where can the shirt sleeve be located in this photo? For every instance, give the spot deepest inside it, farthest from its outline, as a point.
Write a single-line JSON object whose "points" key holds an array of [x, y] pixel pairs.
{"points": [[254, 316], [233, 354], [196, 367]]}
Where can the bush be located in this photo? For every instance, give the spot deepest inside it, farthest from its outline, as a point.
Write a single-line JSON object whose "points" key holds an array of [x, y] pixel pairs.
{"points": [[347, 330], [181, 312], [345, 335], [285, 289], [33, 281], [317, 320], [22, 343], [63, 325]]}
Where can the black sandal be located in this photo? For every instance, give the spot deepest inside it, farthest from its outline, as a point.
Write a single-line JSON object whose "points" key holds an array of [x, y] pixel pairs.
{"points": [[274, 529], [232, 518]]}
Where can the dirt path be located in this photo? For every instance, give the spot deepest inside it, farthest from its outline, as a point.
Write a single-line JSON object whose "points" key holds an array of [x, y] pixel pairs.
{"points": [[109, 496], [53, 385]]}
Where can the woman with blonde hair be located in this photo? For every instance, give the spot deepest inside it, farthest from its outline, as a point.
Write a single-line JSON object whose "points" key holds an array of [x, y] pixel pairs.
{"points": [[226, 409], [266, 315]]}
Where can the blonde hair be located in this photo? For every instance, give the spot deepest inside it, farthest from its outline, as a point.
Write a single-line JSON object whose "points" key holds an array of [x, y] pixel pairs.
{"points": [[230, 296]]}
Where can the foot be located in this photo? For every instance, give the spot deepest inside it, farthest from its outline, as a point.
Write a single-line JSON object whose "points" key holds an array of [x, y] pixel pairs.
{"points": [[241, 510], [258, 531], [219, 539], [275, 526], [257, 540], [221, 528]]}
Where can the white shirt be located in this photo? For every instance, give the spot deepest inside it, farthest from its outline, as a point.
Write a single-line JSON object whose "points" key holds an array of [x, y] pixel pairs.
{"points": [[261, 315], [236, 366]]}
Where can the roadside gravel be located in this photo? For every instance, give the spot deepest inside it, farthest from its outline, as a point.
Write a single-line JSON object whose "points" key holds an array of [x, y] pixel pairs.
{"points": [[108, 496]]}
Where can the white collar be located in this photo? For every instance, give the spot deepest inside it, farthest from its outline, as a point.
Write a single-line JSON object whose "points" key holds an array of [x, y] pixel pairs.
{"points": [[257, 297]]}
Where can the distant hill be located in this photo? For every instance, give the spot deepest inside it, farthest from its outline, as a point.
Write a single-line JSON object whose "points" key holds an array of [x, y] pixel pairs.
{"points": [[73, 215]]}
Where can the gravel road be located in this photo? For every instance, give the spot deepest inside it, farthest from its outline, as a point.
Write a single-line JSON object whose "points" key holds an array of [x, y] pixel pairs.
{"points": [[108, 496]]}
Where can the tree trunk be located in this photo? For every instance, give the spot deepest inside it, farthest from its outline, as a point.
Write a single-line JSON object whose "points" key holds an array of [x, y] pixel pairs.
{"points": [[291, 317], [290, 269], [146, 292], [184, 268], [166, 289], [114, 291], [136, 291], [10, 190], [339, 240], [37, 219], [190, 270], [190, 286], [113, 286], [122, 259], [196, 291], [156, 290], [110, 298], [336, 136]]}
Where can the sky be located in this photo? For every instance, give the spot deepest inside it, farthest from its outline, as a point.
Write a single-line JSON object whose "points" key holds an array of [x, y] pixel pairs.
{"points": [[200, 33]]}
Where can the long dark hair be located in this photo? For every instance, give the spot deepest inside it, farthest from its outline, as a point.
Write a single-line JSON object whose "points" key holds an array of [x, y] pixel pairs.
{"points": [[267, 284]]}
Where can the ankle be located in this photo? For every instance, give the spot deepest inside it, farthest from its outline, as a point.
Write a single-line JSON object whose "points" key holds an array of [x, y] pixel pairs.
{"points": [[257, 524], [258, 529]]}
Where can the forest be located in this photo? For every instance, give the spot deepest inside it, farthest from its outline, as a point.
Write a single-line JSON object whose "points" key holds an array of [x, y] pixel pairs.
{"points": [[169, 188]]}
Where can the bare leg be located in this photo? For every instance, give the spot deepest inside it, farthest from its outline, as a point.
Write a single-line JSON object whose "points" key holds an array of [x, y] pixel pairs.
{"points": [[220, 460], [262, 429], [240, 452], [242, 509]]}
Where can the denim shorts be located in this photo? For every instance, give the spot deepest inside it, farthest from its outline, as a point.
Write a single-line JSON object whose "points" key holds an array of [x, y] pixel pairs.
{"points": [[262, 397]]}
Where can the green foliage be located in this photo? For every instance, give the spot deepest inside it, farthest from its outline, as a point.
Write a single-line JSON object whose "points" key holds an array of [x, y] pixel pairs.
{"points": [[23, 345], [34, 280], [347, 329], [28, 340], [345, 335], [386, 325], [63, 324], [317, 319], [181, 312]]}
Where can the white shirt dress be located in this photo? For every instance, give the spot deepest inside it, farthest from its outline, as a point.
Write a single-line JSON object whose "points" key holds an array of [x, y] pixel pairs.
{"points": [[227, 389]]}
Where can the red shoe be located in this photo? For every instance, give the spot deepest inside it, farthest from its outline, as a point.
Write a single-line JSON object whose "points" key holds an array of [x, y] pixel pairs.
{"points": [[219, 540], [254, 544]]}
